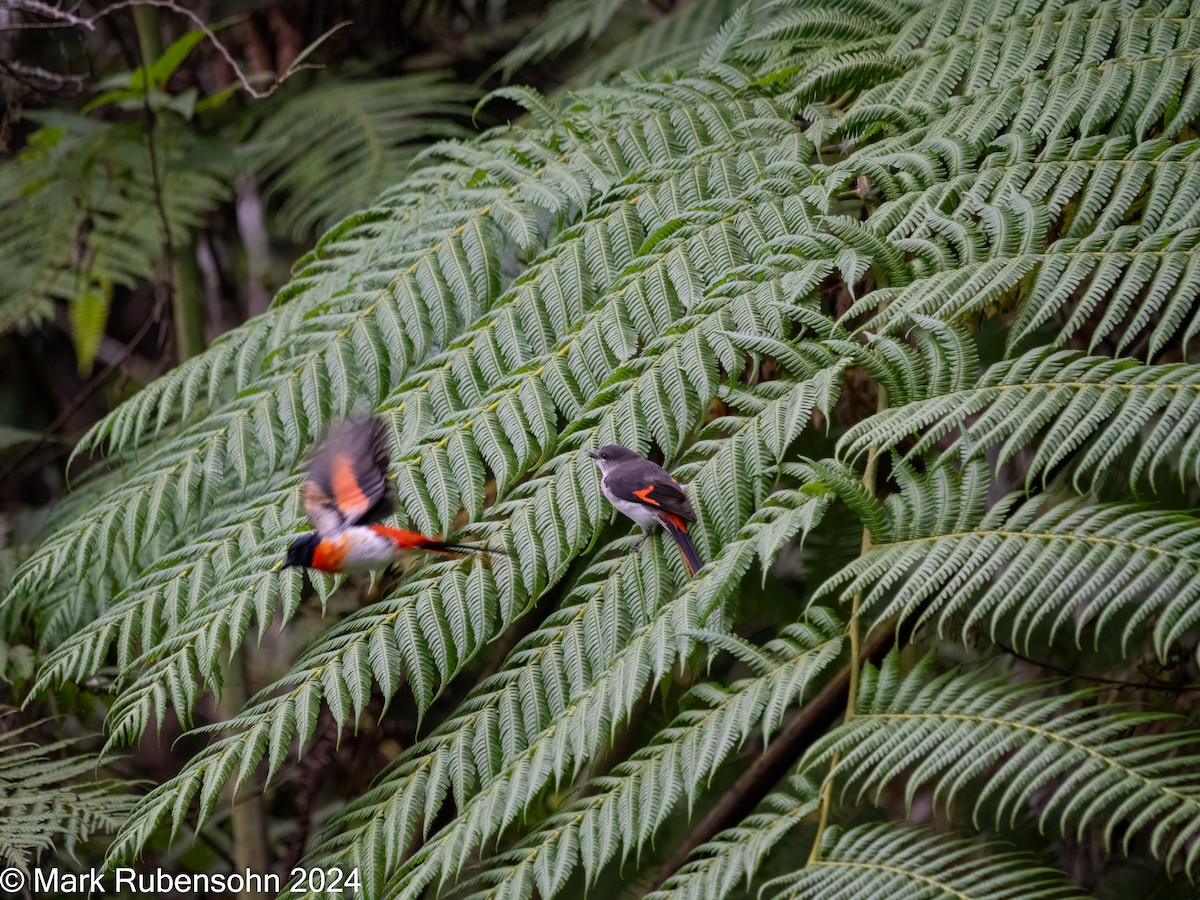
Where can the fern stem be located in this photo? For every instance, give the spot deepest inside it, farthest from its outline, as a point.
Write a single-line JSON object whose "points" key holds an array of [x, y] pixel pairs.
{"points": [[814, 718], [185, 306], [868, 482], [854, 633], [149, 33], [247, 817]]}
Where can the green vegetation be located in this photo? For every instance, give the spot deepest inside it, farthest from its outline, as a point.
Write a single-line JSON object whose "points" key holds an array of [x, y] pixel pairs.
{"points": [[904, 293]]}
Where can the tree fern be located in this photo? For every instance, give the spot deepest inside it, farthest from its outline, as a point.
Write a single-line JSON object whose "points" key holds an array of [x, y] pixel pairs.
{"points": [[82, 211], [50, 798], [327, 151], [910, 862], [1086, 765], [782, 266]]}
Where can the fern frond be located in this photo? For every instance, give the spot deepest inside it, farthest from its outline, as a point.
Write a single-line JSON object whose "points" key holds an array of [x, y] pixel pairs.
{"points": [[625, 808], [46, 802], [80, 212], [884, 860], [330, 149], [696, 33], [1027, 565], [1088, 412], [565, 23], [1087, 763], [1143, 284]]}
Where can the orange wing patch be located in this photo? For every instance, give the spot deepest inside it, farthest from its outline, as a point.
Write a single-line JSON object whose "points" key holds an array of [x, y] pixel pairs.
{"points": [[346, 491], [644, 495], [314, 497]]}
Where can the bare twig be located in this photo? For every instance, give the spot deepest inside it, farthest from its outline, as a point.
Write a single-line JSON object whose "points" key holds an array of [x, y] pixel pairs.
{"points": [[36, 74], [1100, 679], [62, 18]]}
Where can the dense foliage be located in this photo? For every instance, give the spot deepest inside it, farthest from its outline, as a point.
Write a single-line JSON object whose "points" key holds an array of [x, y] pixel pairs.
{"points": [[903, 292]]}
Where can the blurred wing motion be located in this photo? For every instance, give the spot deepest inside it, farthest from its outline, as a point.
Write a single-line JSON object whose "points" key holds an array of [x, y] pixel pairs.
{"points": [[346, 494], [347, 480]]}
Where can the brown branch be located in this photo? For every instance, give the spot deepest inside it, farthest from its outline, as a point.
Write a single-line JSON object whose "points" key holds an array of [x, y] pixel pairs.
{"points": [[814, 718], [1183, 688]]}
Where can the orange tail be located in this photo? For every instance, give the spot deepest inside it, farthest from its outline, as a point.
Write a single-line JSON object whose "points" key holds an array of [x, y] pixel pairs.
{"points": [[678, 530], [417, 541]]}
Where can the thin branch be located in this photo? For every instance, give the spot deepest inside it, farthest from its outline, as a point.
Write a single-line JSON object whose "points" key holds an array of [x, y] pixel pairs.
{"points": [[1100, 679], [61, 18], [868, 482], [28, 74]]}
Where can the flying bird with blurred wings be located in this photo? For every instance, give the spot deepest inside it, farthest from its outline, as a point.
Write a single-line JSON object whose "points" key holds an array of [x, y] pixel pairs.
{"points": [[346, 496], [646, 492]]}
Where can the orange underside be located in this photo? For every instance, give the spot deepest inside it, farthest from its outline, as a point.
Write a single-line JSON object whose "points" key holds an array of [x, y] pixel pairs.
{"points": [[328, 555]]}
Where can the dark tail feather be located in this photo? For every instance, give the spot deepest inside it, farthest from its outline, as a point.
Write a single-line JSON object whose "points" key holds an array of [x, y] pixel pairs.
{"points": [[446, 547], [679, 531]]}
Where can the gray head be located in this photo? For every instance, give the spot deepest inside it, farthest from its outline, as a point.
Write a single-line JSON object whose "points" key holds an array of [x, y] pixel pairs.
{"points": [[612, 455]]}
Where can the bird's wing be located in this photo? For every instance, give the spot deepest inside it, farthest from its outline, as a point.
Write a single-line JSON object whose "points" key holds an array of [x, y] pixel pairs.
{"points": [[347, 478], [646, 483]]}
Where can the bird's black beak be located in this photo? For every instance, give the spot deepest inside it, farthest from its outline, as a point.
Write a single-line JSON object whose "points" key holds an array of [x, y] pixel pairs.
{"points": [[593, 454]]}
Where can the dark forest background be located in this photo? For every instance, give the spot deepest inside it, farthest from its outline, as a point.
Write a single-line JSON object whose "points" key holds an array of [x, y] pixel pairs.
{"points": [[162, 169]]}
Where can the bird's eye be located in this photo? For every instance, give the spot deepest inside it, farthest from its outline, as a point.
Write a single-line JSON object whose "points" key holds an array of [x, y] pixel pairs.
{"points": [[604, 456]]}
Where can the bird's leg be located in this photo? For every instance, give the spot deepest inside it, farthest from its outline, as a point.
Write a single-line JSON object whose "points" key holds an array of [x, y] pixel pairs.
{"points": [[637, 548]]}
